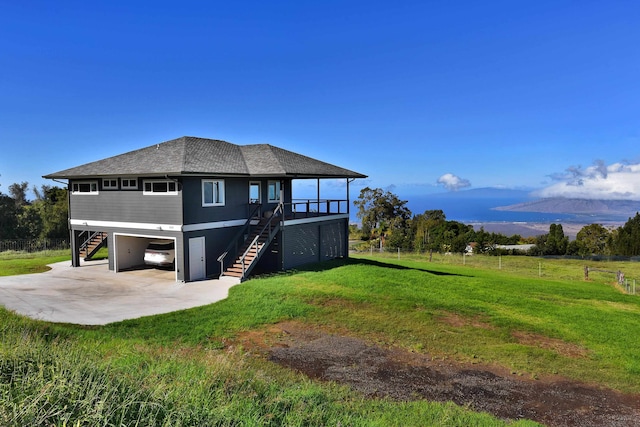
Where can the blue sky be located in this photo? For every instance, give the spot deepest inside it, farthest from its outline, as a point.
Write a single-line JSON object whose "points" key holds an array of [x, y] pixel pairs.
{"points": [[422, 97]]}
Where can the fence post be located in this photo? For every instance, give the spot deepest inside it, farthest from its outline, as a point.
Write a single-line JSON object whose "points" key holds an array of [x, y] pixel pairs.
{"points": [[500, 262], [539, 269], [398, 252]]}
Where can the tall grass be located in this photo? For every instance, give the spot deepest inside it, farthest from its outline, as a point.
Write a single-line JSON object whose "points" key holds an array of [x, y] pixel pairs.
{"points": [[50, 378]]}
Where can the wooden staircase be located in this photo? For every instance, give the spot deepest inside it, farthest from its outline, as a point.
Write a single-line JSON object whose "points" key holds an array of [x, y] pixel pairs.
{"points": [[92, 244], [250, 251]]}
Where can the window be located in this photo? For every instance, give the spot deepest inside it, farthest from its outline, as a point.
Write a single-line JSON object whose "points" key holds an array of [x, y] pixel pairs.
{"points": [[160, 187], [254, 192], [274, 191], [212, 192], [87, 187], [110, 184], [129, 184]]}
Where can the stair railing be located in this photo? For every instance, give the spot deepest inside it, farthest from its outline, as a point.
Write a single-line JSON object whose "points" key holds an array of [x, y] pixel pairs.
{"points": [[255, 242], [84, 246], [238, 239]]}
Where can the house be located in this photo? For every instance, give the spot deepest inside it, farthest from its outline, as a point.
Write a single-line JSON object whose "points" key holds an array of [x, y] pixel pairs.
{"points": [[227, 208]]}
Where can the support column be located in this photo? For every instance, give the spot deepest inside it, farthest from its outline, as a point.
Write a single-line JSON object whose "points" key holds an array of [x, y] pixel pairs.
{"points": [[75, 248]]}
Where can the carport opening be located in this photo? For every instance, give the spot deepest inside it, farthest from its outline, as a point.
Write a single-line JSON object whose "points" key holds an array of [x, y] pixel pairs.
{"points": [[144, 253]]}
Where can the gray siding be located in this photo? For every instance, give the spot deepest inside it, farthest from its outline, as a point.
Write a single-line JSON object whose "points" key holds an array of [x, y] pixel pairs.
{"points": [[127, 206]]}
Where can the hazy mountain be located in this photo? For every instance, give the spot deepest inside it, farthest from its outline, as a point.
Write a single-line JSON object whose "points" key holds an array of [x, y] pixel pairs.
{"points": [[483, 193], [486, 205], [614, 208]]}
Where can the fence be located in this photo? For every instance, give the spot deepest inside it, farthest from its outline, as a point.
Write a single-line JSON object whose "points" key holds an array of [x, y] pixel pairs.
{"points": [[562, 268], [34, 245]]}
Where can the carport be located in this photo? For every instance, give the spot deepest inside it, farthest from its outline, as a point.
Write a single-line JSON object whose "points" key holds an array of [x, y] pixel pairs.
{"points": [[128, 251]]}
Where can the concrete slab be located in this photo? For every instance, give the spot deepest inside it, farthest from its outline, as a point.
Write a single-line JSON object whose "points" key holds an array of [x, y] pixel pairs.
{"points": [[93, 295]]}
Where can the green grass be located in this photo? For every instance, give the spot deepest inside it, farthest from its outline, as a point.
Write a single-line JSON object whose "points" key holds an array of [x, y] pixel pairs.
{"points": [[13, 263], [177, 369]]}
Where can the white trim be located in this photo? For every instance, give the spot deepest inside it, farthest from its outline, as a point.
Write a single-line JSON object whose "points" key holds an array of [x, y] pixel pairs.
{"points": [[128, 181], [118, 224], [219, 193], [279, 188], [314, 219], [259, 199], [106, 184], [85, 193], [213, 225], [159, 193], [159, 227]]}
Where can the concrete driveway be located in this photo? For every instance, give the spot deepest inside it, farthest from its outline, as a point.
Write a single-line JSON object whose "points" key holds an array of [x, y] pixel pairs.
{"points": [[93, 295]]}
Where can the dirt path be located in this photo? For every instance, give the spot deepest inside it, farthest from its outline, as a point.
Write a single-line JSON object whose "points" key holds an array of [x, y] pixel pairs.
{"points": [[401, 375]]}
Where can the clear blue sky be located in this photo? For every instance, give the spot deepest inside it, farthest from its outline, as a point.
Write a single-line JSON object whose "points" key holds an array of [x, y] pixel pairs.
{"points": [[422, 96]]}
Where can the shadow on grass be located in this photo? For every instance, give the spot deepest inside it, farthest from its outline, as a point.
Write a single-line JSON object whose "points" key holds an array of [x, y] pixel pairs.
{"points": [[329, 265]]}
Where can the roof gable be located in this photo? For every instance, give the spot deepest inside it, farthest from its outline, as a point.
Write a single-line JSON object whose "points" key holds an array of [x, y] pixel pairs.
{"points": [[191, 155]]}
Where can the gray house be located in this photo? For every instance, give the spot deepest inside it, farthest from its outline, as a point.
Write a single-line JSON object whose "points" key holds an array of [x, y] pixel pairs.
{"points": [[227, 209]]}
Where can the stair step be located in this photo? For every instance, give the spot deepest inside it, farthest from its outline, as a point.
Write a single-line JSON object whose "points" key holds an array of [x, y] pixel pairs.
{"points": [[233, 274]]}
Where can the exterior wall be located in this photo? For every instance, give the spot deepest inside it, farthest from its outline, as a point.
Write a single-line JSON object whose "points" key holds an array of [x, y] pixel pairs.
{"points": [[236, 200], [216, 241], [308, 241], [236, 204], [126, 206]]}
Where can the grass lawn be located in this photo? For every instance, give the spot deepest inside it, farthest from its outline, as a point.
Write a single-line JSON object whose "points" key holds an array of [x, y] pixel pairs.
{"points": [[176, 369], [13, 263]]}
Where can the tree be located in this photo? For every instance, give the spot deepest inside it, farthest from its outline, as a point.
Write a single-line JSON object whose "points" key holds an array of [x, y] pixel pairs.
{"points": [[592, 240], [45, 217], [552, 243], [18, 193], [383, 215], [425, 226], [53, 207], [8, 217], [627, 240]]}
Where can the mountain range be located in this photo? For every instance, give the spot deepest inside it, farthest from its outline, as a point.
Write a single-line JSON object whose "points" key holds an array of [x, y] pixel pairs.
{"points": [[615, 209], [509, 205]]}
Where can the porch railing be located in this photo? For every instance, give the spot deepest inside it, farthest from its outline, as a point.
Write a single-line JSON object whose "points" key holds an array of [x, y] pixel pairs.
{"points": [[302, 208]]}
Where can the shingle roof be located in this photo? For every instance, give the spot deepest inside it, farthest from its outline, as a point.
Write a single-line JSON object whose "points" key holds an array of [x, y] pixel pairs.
{"points": [[190, 155]]}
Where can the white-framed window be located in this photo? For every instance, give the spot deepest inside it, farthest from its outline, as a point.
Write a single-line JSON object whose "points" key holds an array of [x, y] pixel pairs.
{"points": [[212, 192], [129, 183], [255, 193], [274, 189], [85, 187], [110, 183], [160, 187]]}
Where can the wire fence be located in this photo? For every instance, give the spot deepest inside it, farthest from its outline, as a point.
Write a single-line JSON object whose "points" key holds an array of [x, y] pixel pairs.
{"points": [[618, 271], [33, 245]]}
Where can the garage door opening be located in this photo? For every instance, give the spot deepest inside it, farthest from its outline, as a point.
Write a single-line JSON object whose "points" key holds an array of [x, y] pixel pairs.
{"points": [[139, 253]]}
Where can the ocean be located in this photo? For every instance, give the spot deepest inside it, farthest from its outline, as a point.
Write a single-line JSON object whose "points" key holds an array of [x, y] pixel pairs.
{"points": [[480, 210]]}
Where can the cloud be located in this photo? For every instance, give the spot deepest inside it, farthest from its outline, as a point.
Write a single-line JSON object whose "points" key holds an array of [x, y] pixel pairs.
{"points": [[452, 182], [618, 181]]}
